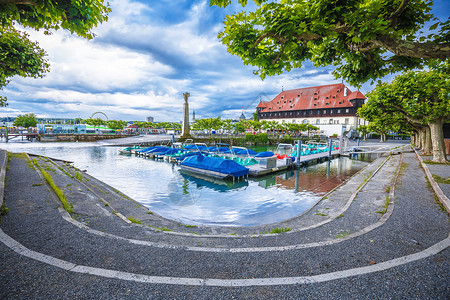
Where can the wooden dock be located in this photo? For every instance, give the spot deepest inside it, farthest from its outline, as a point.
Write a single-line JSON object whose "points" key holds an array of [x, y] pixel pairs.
{"points": [[317, 158], [281, 164]]}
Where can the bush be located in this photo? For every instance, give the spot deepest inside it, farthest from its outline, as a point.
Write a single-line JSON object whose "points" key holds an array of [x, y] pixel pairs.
{"points": [[261, 139], [249, 137], [287, 139]]}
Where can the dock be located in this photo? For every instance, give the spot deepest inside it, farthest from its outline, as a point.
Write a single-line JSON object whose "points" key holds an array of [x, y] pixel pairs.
{"points": [[283, 164]]}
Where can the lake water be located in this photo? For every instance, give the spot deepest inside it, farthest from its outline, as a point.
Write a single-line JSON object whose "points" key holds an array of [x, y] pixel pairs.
{"points": [[165, 190]]}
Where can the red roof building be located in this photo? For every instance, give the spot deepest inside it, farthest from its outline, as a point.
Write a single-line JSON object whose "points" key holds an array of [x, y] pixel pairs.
{"points": [[321, 106]]}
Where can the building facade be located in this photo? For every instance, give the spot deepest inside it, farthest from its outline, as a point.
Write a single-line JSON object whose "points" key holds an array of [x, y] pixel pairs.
{"points": [[333, 108]]}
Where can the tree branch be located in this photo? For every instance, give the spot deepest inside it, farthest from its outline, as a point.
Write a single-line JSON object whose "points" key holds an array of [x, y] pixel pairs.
{"points": [[406, 116], [394, 17], [279, 54], [267, 34], [17, 2], [413, 49]]}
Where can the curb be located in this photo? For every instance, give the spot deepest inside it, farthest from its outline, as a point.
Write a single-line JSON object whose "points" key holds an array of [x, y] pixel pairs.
{"points": [[437, 190], [2, 177]]}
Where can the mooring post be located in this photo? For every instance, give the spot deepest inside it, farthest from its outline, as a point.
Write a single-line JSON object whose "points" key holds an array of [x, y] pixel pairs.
{"points": [[299, 151], [330, 144]]}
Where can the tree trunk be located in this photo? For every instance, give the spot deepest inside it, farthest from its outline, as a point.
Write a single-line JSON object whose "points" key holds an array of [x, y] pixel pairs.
{"points": [[437, 138], [413, 139], [427, 148], [421, 144], [382, 137]]}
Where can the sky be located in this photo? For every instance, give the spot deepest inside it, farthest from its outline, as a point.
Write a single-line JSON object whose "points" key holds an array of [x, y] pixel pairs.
{"points": [[142, 61]]}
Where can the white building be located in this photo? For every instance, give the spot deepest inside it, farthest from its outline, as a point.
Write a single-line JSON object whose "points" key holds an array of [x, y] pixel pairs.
{"points": [[332, 108]]}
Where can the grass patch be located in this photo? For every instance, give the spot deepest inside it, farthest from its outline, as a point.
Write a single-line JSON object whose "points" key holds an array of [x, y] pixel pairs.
{"points": [[440, 179], [365, 180], [37, 184], [340, 216], [190, 226], [67, 206], [321, 214], [430, 162], [79, 176], [278, 230], [343, 234], [164, 228], [150, 212], [22, 156], [385, 206], [3, 209], [439, 204], [134, 220]]}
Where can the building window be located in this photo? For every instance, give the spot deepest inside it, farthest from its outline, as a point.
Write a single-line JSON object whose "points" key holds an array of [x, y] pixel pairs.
{"points": [[339, 111], [331, 111], [336, 121], [293, 121], [304, 113], [305, 121], [346, 120], [347, 110], [331, 121], [324, 111], [282, 121], [317, 121]]}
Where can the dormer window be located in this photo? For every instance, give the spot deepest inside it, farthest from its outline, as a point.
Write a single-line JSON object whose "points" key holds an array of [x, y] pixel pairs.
{"points": [[334, 97], [327, 97], [327, 103], [315, 98], [282, 97]]}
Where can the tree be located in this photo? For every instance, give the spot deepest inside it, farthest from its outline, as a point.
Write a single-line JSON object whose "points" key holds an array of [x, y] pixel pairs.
{"points": [[116, 124], [228, 125], [22, 57], [97, 122], [422, 99], [366, 39], [207, 124], [26, 121], [364, 130]]}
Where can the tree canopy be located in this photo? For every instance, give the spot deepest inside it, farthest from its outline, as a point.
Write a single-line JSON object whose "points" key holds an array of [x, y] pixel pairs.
{"points": [[26, 121], [22, 57], [419, 99], [365, 39]]}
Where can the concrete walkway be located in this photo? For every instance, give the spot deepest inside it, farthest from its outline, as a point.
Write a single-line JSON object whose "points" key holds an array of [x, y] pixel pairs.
{"points": [[349, 245]]}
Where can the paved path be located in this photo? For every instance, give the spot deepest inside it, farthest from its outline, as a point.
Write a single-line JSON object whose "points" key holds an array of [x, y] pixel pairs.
{"points": [[347, 246]]}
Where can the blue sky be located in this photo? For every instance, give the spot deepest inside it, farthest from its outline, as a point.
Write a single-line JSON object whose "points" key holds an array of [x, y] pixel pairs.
{"points": [[142, 61]]}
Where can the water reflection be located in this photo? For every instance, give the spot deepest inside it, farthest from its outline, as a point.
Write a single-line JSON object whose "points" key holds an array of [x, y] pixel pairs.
{"points": [[165, 190]]}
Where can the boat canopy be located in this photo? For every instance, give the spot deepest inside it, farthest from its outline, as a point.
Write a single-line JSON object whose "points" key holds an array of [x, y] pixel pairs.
{"points": [[216, 164], [264, 154]]}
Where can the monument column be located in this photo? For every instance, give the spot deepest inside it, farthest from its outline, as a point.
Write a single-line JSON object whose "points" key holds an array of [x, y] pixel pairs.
{"points": [[186, 133]]}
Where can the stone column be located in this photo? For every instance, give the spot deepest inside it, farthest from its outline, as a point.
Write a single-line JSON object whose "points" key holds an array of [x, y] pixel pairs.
{"points": [[186, 131]]}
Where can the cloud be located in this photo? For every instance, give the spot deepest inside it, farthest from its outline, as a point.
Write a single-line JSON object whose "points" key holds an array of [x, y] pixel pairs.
{"points": [[142, 61]]}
